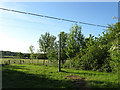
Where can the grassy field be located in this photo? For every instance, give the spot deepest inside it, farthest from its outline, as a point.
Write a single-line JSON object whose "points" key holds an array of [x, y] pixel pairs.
{"points": [[12, 60], [36, 76], [35, 61]]}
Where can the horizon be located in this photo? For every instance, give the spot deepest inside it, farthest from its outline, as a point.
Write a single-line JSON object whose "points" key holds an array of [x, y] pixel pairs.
{"points": [[19, 52]]}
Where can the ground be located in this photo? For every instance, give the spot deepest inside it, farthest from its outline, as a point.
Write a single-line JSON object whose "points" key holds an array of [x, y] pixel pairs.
{"points": [[39, 76]]}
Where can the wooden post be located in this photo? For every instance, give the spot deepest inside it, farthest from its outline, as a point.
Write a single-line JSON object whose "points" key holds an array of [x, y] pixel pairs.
{"points": [[20, 61], [59, 54], [14, 61], [9, 61], [48, 62], [38, 61], [23, 61], [44, 59]]}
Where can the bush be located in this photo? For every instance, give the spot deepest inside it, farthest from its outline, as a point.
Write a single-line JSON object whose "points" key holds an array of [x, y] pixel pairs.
{"points": [[53, 63], [106, 66], [66, 65]]}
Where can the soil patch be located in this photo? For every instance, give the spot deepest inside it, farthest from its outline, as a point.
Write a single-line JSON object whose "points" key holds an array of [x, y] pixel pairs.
{"points": [[78, 81]]}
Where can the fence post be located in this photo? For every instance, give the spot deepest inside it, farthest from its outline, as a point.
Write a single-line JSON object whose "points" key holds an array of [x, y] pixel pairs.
{"points": [[23, 61], [48, 62], [37, 61], [20, 61], [9, 61], [14, 61]]}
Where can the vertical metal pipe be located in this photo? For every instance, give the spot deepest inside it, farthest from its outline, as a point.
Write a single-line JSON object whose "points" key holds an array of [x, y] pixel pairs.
{"points": [[59, 54]]}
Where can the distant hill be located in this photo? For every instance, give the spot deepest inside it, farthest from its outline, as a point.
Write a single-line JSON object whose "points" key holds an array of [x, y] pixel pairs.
{"points": [[9, 54]]}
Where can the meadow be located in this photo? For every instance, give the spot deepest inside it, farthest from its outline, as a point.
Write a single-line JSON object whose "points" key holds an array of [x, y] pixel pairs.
{"points": [[16, 60], [43, 76], [33, 61]]}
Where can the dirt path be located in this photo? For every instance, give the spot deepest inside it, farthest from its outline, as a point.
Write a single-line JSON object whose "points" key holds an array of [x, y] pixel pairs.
{"points": [[79, 82]]}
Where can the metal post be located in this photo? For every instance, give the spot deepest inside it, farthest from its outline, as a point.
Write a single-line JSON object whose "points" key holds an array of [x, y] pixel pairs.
{"points": [[59, 54]]}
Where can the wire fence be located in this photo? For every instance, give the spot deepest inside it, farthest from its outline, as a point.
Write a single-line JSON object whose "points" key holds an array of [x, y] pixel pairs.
{"points": [[29, 61], [36, 62]]}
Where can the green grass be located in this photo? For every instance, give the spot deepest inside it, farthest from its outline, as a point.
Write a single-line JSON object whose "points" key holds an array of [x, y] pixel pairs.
{"points": [[35, 76]]}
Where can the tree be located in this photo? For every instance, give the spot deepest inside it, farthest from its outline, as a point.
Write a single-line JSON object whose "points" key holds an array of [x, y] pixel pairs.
{"points": [[52, 53], [52, 49], [46, 43], [75, 41], [77, 62], [31, 49], [20, 55], [27, 55], [114, 50], [101, 53]]}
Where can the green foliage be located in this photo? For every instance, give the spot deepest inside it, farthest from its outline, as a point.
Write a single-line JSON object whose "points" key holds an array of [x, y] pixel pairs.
{"points": [[31, 49], [41, 56], [52, 49], [48, 45], [27, 55], [20, 55], [93, 53], [75, 41], [44, 42], [66, 65], [115, 47], [63, 46], [52, 55], [32, 56], [101, 53], [9, 54]]}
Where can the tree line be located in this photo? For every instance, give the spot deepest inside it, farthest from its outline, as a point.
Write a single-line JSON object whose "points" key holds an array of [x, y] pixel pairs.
{"points": [[19, 55], [93, 53]]}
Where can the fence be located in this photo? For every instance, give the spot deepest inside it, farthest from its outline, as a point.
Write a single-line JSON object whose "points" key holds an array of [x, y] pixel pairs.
{"points": [[39, 62]]}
